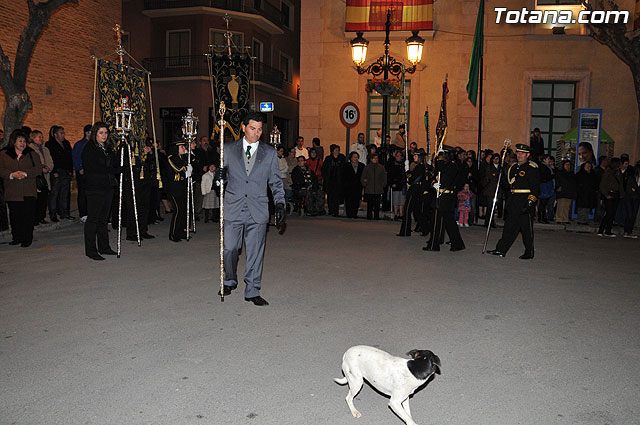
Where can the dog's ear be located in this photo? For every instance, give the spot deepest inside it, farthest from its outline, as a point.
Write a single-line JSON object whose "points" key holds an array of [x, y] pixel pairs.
{"points": [[435, 363], [413, 353]]}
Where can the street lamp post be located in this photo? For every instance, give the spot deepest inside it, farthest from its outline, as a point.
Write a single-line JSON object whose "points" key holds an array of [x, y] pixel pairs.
{"points": [[386, 64]]}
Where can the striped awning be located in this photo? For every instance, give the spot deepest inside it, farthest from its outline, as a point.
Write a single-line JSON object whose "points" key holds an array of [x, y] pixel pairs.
{"points": [[406, 15]]}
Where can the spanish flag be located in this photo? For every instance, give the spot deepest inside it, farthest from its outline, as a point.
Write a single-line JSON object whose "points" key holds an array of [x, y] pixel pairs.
{"points": [[406, 15], [636, 22]]}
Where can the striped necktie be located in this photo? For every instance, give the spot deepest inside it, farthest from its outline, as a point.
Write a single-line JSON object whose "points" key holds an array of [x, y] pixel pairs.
{"points": [[248, 152]]}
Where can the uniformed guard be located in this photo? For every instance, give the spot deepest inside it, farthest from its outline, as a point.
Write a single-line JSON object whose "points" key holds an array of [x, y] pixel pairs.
{"points": [[175, 181], [450, 180], [416, 180], [143, 174], [523, 182]]}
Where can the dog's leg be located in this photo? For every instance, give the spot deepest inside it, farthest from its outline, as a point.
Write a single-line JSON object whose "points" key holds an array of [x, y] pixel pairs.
{"points": [[396, 405], [355, 385], [405, 405]]}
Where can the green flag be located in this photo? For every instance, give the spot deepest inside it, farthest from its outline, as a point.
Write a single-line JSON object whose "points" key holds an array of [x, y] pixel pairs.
{"points": [[476, 54]]}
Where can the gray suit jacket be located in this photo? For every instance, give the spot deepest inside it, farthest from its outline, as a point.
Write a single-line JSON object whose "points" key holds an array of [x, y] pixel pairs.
{"points": [[251, 190]]}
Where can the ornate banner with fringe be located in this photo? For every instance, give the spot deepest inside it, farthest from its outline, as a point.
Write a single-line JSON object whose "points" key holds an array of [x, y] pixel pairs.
{"points": [[371, 15], [116, 81], [231, 81]]}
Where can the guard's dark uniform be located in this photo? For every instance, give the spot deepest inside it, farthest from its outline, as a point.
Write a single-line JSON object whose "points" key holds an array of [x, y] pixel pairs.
{"points": [[143, 174], [416, 180], [175, 182], [523, 184], [451, 179]]}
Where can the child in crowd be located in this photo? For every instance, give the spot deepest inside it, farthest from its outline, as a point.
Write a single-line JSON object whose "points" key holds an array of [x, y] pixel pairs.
{"points": [[464, 205]]}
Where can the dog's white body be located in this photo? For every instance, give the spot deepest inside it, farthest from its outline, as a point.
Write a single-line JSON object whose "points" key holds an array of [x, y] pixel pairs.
{"points": [[388, 374]]}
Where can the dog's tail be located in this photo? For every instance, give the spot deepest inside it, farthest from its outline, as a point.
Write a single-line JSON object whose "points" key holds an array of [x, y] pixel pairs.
{"points": [[341, 381]]}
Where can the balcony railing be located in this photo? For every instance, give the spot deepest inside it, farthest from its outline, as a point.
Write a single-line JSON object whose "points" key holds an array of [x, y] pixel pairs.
{"points": [[196, 66], [258, 7]]}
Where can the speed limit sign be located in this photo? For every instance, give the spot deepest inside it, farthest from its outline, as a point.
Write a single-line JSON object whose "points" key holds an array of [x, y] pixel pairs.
{"points": [[349, 114]]}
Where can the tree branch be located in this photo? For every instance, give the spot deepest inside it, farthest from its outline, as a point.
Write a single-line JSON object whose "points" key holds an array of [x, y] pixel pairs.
{"points": [[39, 14]]}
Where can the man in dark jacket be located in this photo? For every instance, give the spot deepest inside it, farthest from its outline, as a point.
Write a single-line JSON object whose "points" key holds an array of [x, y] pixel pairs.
{"points": [[631, 199], [332, 176], [61, 152]]}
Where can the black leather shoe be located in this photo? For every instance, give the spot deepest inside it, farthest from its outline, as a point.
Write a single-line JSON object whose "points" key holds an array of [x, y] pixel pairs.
{"points": [[14, 242], [259, 301], [25, 244], [174, 239], [526, 256], [69, 217], [146, 236], [54, 219], [96, 257], [108, 252], [132, 238], [228, 289], [496, 252], [426, 248], [43, 221], [456, 249]]}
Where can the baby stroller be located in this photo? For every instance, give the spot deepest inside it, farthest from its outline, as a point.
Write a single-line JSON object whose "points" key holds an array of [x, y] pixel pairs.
{"points": [[307, 195]]}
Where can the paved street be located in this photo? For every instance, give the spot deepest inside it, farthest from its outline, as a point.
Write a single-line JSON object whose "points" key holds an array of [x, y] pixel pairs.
{"points": [[145, 339]]}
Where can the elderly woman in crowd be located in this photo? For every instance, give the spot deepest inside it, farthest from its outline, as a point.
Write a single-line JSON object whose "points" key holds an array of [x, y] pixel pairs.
{"points": [[100, 180], [37, 144], [19, 166], [352, 186]]}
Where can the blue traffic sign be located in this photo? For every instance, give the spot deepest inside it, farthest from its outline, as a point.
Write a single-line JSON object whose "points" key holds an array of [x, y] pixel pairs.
{"points": [[266, 106]]}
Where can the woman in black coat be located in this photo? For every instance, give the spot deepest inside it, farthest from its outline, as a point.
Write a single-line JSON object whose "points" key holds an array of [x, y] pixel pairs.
{"points": [[352, 187], [100, 182], [566, 192], [587, 199]]}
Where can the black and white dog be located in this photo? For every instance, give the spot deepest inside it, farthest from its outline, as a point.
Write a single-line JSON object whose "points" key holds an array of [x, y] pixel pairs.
{"points": [[394, 376]]}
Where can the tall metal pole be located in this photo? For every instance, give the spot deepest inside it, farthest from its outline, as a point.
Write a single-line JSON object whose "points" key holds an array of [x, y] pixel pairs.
{"points": [[385, 67]]}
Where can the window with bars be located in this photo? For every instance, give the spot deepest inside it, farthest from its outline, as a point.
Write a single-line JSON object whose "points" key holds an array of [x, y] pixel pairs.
{"points": [[396, 114], [552, 103]]}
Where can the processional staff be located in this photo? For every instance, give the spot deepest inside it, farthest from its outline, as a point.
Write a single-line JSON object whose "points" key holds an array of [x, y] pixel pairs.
{"points": [[189, 131], [507, 143], [220, 183], [123, 126]]}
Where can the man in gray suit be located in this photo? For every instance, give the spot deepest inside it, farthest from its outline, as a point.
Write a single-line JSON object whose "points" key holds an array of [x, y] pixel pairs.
{"points": [[249, 167]]}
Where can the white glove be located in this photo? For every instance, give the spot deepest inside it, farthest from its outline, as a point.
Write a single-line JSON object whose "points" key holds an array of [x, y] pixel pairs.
{"points": [[189, 171], [436, 186]]}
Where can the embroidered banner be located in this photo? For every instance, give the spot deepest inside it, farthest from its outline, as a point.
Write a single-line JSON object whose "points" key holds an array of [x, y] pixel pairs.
{"points": [[231, 83], [114, 82], [406, 15]]}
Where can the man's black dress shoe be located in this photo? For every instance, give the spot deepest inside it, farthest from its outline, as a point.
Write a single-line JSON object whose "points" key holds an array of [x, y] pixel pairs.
{"points": [[146, 236], [426, 248], [54, 219], [456, 249], [108, 252], [14, 242], [132, 238], [25, 244], [496, 252], [526, 256], [257, 300], [96, 257], [228, 289], [175, 239]]}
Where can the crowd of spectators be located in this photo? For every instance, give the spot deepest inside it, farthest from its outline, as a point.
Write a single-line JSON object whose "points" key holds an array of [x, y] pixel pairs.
{"points": [[601, 192]]}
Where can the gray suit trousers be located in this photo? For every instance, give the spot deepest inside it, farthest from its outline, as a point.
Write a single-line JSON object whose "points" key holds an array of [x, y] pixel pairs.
{"points": [[254, 239]]}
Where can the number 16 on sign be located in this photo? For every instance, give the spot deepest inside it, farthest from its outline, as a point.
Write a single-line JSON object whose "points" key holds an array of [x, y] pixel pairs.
{"points": [[349, 115]]}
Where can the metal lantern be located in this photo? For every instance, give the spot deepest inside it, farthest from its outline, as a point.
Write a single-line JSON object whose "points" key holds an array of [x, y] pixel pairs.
{"points": [[189, 125], [359, 49], [415, 44], [123, 116], [274, 136]]}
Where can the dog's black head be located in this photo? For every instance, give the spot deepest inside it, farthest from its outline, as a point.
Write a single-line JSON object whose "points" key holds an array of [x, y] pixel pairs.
{"points": [[423, 363]]}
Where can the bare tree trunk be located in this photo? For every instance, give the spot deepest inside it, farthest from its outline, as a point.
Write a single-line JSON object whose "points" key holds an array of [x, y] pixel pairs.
{"points": [[17, 101]]}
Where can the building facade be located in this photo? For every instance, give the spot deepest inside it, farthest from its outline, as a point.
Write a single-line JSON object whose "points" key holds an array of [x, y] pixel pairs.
{"points": [[533, 77], [171, 37], [61, 72]]}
